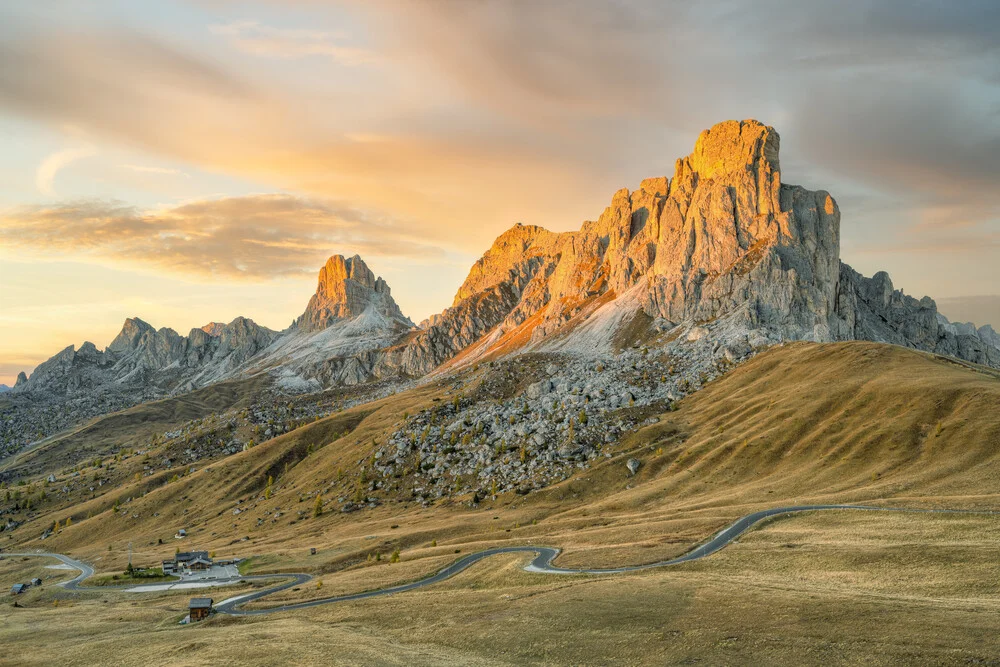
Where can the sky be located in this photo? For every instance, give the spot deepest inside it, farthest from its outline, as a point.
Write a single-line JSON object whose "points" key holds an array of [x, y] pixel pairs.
{"points": [[187, 162]]}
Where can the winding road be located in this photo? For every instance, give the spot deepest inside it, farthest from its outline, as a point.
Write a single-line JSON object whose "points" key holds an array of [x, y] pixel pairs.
{"points": [[541, 563]]}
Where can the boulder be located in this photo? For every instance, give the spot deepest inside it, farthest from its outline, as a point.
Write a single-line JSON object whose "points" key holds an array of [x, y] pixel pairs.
{"points": [[538, 389]]}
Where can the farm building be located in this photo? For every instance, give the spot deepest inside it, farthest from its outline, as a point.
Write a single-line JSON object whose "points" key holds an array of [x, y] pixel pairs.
{"points": [[185, 557], [199, 608], [17, 589], [187, 560], [200, 564]]}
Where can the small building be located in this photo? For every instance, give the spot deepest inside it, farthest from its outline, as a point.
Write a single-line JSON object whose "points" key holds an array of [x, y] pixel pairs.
{"points": [[36, 582], [180, 533], [169, 567], [17, 589], [199, 608], [200, 564], [185, 557]]}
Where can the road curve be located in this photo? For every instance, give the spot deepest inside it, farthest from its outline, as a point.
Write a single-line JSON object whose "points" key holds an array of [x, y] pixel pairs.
{"points": [[541, 563]]}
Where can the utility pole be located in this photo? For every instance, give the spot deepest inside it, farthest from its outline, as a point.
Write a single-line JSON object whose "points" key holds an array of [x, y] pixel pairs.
{"points": [[130, 556]]}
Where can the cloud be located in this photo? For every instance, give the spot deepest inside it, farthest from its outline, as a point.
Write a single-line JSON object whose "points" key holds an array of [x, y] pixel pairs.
{"points": [[140, 91], [479, 114], [262, 40], [167, 171], [46, 174], [256, 237]]}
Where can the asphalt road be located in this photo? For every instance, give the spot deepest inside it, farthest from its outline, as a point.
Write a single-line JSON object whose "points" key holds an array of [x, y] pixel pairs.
{"points": [[541, 563]]}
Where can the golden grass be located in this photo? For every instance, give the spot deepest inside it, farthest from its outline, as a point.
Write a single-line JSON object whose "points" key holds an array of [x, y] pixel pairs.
{"points": [[852, 422], [851, 589]]}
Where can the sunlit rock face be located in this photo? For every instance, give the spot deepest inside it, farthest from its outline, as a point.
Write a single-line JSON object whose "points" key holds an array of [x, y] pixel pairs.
{"points": [[347, 288], [722, 241], [722, 237], [722, 249]]}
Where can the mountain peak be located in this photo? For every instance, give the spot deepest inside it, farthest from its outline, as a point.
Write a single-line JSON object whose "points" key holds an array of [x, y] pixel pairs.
{"points": [[131, 332], [214, 329], [345, 289], [735, 146]]}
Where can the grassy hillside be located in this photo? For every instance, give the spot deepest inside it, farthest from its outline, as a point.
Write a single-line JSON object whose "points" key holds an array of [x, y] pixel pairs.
{"points": [[846, 422], [821, 423]]}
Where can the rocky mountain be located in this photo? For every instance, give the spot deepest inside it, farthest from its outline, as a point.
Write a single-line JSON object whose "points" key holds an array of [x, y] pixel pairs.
{"points": [[871, 309], [723, 248], [716, 261], [157, 361], [4, 388], [337, 341], [348, 289], [340, 338], [351, 316]]}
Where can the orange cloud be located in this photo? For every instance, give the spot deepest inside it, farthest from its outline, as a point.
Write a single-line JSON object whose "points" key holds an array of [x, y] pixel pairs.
{"points": [[253, 237]]}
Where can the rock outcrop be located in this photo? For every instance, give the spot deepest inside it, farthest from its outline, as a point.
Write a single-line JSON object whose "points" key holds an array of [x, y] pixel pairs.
{"points": [[723, 247], [722, 258], [722, 238], [347, 289], [337, 340], [156, 361], [871, 309]]}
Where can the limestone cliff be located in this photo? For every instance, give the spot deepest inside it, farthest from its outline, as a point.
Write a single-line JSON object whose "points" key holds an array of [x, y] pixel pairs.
{"points": [[871, 309], [156, 361], [722, 241], [347, 289], [723, 237], [722, 250]]}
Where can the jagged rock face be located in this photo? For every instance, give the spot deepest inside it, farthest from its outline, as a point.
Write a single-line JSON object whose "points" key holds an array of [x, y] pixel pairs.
{"points": [[871, 309], [347, 288], [722, 248], [213, 329], [158, 360], [723, 240], [338, 340], [722, 237]]}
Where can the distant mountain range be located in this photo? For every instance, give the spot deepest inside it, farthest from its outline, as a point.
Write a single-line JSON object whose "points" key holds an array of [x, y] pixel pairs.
{"points": [[722, 249], [982, 309]]}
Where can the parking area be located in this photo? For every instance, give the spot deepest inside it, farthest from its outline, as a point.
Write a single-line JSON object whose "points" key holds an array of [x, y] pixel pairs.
{"points": [[215, 572]]}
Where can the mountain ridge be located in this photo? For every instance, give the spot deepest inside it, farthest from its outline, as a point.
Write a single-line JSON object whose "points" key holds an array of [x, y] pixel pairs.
{"points": [[722, 254]]}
